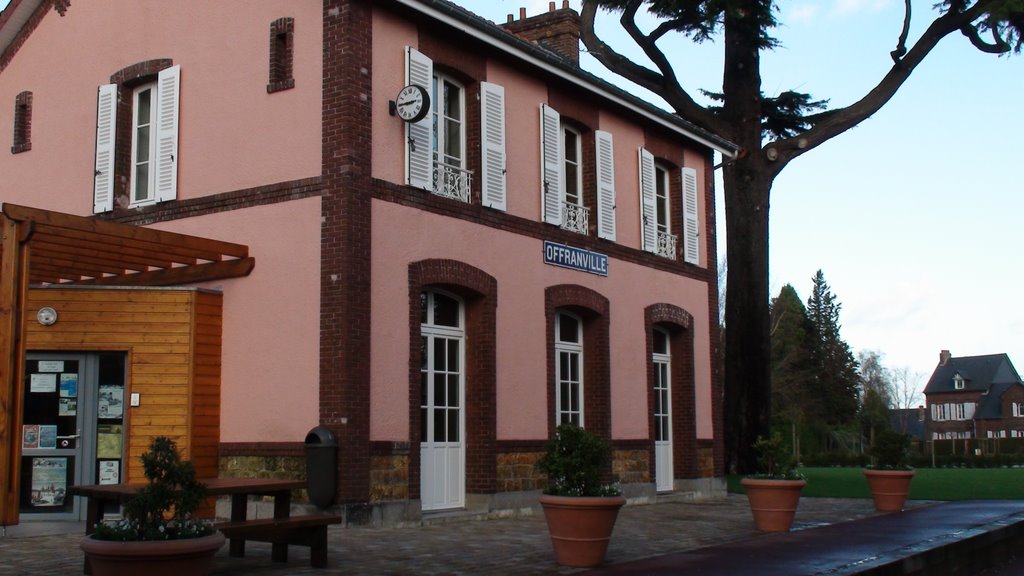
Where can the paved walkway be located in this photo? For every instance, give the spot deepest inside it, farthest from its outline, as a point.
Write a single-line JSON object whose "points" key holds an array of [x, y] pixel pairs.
{"points": [[517, 545]]}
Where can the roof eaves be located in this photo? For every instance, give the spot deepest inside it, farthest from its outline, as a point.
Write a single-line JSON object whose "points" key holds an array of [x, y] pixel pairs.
{"points": [[13, 18], [484, 30]]}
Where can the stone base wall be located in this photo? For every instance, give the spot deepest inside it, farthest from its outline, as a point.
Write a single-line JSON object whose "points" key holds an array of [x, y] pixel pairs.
{"points": [[706, 462], [282, 467], [517, 472], [631, 466], [389, 477]]}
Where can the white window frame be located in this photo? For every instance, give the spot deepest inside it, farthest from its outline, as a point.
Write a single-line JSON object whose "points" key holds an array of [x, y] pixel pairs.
{"points": [[574, 349], [577, 162], [150, 159], [439, 120], [958, 382], [662, 200]]}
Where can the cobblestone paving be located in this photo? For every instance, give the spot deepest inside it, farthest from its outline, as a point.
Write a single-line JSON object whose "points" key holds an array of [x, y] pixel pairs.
{"points": [[517, 545]]}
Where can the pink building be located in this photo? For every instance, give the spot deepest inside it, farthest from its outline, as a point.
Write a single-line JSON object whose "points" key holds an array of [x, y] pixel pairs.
{"points": [[459, 239]]}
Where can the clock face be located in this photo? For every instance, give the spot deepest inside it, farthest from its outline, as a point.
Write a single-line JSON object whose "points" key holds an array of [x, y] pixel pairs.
{"points": [[412, 103]]}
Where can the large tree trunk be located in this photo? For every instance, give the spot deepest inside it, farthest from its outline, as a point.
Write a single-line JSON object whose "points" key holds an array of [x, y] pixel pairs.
{"points": [[747, 340], [748, 181]]}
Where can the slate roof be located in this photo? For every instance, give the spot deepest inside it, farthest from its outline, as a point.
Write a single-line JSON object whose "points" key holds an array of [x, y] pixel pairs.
{"points": [[979, 373], [992, 374], [900, 417], [566, 68]]}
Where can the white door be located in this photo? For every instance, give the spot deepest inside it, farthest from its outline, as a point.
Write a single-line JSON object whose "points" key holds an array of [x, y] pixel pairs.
{"points": [[442, 390], [662, 413]]}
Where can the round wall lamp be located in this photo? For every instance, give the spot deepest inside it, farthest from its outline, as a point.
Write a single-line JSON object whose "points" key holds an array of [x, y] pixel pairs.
{"points": [[46, 316]]}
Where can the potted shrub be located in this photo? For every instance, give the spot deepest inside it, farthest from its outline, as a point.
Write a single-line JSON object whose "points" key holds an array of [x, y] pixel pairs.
{"points": [[580, 510], [890, 475], [774, 491], [158, 535]]}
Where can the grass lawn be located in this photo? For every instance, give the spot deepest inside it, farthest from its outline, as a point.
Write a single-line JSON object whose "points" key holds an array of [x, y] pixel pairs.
{"points": [[928, 484]]}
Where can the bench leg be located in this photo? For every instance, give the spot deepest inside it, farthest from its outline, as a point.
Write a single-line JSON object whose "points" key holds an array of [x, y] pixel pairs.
{"points": [[279, 552], [318, 548]]}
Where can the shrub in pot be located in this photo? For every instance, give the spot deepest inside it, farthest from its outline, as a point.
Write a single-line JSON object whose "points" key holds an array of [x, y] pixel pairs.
{"points": [[890, 475], [580, 510], [158, 535], [774, 490]]}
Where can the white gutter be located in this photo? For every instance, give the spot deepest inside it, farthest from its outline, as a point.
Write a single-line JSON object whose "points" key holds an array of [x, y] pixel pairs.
{"points": [[546, 66]]}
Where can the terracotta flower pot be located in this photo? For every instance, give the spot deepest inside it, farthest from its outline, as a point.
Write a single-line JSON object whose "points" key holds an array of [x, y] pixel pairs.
{"points": [[581, 527], [889, 488], [192, 556], [773, 502]]}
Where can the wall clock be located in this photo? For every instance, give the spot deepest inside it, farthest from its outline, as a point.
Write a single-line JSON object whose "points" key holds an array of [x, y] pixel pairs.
{"points": [[412, 103]]}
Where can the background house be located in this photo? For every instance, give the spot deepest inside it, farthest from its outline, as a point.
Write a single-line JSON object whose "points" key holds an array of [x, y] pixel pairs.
{"points": [[433, 235], [974, 397]]}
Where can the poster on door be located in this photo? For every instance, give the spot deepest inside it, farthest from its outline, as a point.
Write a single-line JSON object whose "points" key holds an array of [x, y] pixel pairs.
{"points": [[111, 402], [69, 385], [49, 481], [110, 471]]}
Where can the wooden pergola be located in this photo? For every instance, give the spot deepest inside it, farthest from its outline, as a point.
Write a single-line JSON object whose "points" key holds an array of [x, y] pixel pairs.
{"points": [[45, 247]]}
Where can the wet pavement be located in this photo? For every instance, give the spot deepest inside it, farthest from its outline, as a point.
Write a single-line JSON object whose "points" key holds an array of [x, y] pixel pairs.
{"points": [[830, 536]]}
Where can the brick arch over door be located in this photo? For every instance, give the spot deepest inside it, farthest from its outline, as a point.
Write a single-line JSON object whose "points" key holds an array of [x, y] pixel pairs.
{"points": [[479, 292], [593, 309], [679, 324]]}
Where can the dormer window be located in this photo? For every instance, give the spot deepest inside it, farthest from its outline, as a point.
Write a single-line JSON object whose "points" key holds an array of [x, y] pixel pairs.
{"points": [[958, 382]]}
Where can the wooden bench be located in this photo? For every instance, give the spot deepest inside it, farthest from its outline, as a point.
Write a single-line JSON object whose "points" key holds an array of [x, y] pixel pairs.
{"points": [[309, 531]]}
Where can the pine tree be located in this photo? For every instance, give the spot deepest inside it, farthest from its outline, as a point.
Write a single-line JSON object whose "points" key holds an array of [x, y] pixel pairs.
{"points": [[793, 406], [835, 369]]}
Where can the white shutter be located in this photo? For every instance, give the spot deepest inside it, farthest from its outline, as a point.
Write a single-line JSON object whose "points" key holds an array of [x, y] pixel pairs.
{"points": [[166, 161], [648, 215], [551, 190], [420, 135], [605, 168], [691, 220], [492, 138], [106, 124]]}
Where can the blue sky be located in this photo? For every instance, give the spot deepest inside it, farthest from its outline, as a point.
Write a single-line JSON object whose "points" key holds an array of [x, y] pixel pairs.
{"points": [[913, 216]]}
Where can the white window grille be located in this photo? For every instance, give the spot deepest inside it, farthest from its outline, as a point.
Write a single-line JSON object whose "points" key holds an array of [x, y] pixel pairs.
{"points": [[666, 245], [575, 218], [452, 182]]}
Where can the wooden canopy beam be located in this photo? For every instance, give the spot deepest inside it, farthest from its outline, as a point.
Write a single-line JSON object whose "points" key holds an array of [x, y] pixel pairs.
{"points": [[137, 233], [180, 275]]}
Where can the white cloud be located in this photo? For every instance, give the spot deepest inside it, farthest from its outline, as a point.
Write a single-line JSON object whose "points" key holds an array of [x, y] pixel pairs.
{"points": [[802, 14]]}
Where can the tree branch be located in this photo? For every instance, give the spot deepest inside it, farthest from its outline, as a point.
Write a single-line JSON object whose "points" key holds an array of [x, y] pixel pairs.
{"points": [[665, 85], [834, 122], [901, 45], [998, 45]]}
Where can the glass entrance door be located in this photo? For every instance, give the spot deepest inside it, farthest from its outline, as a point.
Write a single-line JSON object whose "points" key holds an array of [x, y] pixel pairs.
{"points": [[72, 429]]}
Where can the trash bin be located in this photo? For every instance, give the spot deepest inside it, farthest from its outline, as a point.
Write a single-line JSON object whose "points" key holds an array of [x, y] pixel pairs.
{"points": [[321, 466]]}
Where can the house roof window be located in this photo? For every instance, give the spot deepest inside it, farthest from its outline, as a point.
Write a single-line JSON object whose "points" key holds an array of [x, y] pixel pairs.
{"points": [[958, 382]]}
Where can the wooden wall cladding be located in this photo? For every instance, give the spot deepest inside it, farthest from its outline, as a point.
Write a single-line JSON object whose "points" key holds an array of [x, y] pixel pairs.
{"points": [[172, 338]]}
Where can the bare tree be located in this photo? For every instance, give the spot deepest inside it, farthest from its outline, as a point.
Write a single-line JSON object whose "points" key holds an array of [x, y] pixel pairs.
{"points": [[771, 132], [906, 393]]}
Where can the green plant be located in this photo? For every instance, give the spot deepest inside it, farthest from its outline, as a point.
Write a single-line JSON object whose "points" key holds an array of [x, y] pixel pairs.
{"points": [[574, 461], [774, 459], [891, 451], [163, 508]]}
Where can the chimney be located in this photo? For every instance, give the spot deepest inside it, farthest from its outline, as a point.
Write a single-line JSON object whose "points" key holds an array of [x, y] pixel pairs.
{"points": [[558, 30], [944, 357]]}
